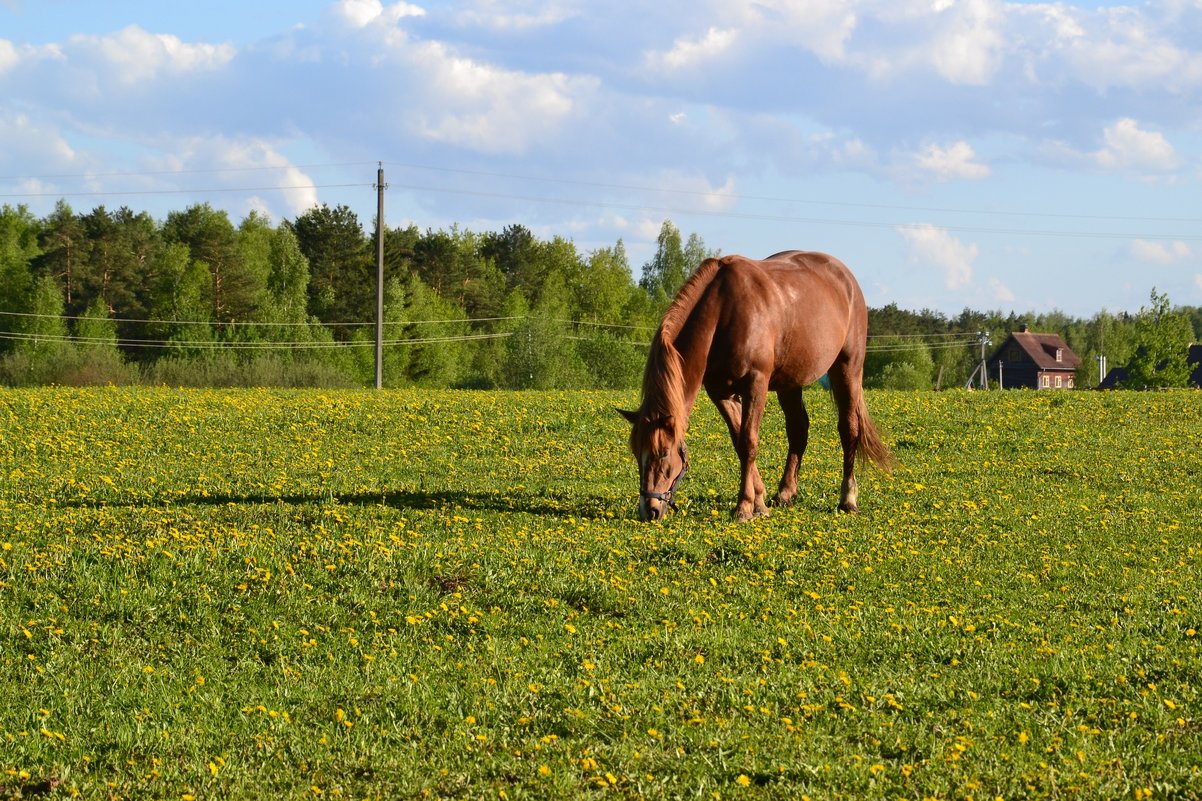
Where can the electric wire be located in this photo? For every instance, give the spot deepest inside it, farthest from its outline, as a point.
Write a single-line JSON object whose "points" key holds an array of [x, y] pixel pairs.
{"points": [[732, 215], [670, 210], [226, 345], [775, 199], [572, 182]]}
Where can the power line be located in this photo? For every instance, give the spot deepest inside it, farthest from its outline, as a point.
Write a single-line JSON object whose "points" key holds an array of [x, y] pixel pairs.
{"points": [[211, 345], [670, 210], [774, 199], [200, 190], [320, 324], [902, 348], [949, 339], [196, 171], [963, 229], [824, 202], [172, 344], [589, 323], [914, 336], [249, 324]]}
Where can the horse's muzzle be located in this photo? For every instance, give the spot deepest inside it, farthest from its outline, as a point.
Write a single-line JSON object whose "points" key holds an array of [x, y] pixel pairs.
{"points": [[650, 512], [659, 510]]}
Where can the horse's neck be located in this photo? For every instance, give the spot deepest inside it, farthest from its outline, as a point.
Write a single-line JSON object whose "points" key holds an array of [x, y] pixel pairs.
{"points": [[693, 343]]}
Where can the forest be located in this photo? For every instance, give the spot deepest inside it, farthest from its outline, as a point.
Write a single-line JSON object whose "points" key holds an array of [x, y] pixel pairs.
{"points": [[117, 297]]}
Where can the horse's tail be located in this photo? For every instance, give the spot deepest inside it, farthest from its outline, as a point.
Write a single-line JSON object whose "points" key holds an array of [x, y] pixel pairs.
{"points": [[871, 447]]}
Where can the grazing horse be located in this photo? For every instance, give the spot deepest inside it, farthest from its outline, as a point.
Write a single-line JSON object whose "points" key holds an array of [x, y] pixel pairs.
{"points": [[741, 328]]}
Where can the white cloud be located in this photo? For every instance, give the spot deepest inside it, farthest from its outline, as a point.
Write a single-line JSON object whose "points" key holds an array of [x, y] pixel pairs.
{"points": [[136, 55], [693, 187], [1129, 147], [956, 161], [936, 246], [1001, 292], [823, 27], [361, 13], [646, 229], [488, 109], [24, 141], [232, 160], [1156, 252], [8, 55], [967, 47], [497, 15], [688, 53], [1124, 47], [963, 42]]}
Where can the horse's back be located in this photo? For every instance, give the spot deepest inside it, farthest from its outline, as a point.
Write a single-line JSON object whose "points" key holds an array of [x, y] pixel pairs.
{"points": [[805, 265], [801, 282], [798, 309]]}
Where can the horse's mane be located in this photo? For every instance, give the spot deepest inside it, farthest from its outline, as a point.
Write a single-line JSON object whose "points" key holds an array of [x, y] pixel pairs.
{"points": [[663, 379]]}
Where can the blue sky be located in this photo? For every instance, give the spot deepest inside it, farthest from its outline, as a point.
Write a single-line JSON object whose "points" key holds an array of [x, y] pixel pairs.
{"points": [[955, 153]]}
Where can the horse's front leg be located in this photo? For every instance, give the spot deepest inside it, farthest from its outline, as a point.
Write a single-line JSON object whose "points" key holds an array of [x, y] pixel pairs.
{"points": [[751, 490]]}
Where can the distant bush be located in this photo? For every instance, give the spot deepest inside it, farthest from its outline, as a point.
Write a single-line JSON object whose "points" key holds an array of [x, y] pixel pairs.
{"points": [[263, 370]]}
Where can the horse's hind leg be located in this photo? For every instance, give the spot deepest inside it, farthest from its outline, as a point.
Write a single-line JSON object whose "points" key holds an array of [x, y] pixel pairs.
{"points": [[797, 428], [845, 386]]}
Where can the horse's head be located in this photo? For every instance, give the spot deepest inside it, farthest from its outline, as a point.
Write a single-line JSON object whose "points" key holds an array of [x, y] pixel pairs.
{"points": [[663, 459]]}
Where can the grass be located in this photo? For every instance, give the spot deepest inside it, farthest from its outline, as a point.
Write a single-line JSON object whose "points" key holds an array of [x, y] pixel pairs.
{"points": [[249, 594]]}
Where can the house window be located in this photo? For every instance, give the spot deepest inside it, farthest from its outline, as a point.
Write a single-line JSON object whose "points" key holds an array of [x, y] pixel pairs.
{"points": [[1047, 381], [1059, 354], [1059, 382], [1012, 354], [1070, 382]]}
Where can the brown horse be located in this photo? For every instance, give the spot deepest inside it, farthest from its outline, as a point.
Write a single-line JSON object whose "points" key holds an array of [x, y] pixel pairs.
{"points": [[742, 328]]}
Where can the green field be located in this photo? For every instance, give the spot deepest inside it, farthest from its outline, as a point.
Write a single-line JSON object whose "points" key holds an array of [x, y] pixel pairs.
{"points": [[274, 594]]}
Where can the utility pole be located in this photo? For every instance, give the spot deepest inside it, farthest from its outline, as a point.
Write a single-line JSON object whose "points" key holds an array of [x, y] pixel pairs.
{"points": [[380, 186], [984, 341]]}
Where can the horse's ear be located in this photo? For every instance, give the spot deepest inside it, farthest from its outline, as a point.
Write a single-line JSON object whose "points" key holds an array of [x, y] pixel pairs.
{"points": [[631, 417]]}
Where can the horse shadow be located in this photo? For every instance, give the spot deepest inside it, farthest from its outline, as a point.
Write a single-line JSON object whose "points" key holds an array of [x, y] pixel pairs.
{"points": [[538, 503]]}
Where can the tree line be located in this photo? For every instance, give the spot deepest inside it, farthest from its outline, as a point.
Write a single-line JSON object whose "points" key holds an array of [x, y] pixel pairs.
{"points": [[114, 296], [927, 349]]}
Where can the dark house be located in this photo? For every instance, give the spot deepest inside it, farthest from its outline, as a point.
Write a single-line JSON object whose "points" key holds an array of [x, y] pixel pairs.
{"points": [[1115, 378], [1034, 361]]}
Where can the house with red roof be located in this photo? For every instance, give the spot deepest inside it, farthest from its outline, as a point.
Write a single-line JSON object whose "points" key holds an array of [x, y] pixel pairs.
{"points": [[1034, 361]]}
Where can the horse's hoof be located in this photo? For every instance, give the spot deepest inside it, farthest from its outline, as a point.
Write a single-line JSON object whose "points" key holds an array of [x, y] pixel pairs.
{"points": [[849, 508], [747, 514], [783, 501]]}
